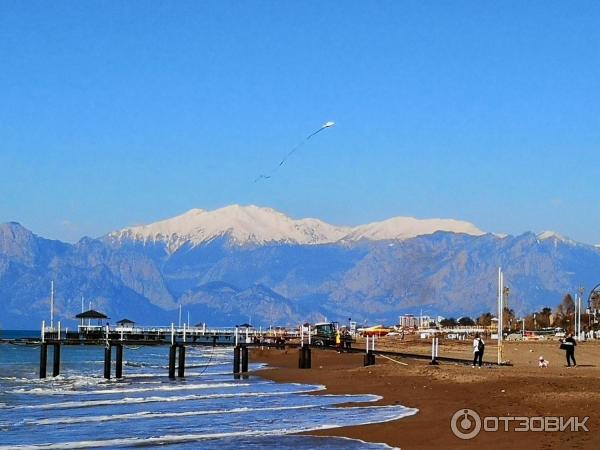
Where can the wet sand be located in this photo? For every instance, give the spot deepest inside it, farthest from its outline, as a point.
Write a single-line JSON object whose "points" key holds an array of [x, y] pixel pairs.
{"points": [[439, 391]]}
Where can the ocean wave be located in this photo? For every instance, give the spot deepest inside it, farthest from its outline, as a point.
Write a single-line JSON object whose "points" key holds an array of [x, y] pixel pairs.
{"points": [[386, 414], [116, 390], [153, 399], [158, 415]]}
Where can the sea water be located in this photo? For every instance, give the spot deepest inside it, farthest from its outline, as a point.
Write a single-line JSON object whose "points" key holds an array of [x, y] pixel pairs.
{"points": [[207, 409]]}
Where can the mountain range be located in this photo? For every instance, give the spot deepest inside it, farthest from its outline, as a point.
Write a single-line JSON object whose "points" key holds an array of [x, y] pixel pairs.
{"points": [[246, 263]]}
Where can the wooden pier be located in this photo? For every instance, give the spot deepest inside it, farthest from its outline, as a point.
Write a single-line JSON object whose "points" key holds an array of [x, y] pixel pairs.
{"points": [[179, 338]]}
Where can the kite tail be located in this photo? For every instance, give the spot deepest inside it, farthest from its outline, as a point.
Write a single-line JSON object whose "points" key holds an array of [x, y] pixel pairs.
{"points": [[316, 132], [290, 153]]}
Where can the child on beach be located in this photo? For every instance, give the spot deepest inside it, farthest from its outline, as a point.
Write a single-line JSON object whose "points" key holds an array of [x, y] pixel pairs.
{"points": [[543, 364]]}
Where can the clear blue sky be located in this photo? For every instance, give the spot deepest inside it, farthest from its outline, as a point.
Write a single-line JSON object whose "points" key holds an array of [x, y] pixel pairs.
{"points": [[120, 113]]}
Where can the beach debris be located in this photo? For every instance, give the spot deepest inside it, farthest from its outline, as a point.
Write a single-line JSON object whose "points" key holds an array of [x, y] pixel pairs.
{"points": [[267, 176]]}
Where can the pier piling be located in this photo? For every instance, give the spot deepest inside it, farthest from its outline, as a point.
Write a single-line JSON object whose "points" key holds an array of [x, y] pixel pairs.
{"points": [[236, 360], [107, 358], [307, 358], [172, 354], [56, 358], [119, 362], [181, 365], [304, 361], [244, 359], [43, 359]]}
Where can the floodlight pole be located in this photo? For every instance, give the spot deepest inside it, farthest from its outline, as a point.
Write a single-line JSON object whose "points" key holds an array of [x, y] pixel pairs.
{"points": [[500, 312]]}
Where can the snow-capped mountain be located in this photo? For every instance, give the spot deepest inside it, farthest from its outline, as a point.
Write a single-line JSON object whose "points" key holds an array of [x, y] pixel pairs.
{"points": [[555, 237], [257, 225], [241, 224], [358, 276], [409, 227]]}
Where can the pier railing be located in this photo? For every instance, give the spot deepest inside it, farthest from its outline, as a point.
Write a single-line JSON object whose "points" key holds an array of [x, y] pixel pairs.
{"points": [[88, 332]]}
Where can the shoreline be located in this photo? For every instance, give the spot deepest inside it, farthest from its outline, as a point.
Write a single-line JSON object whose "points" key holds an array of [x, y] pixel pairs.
{"points": [[439, 391]]}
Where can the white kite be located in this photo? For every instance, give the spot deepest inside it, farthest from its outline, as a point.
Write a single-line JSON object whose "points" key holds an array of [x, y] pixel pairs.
{"points": [[293, 150]]}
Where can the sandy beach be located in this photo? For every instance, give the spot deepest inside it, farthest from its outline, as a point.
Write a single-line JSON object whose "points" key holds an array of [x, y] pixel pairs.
{"points": [[521, 390]]}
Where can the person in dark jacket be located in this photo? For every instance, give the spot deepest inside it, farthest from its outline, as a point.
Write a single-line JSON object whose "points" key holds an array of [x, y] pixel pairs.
{"points": [[569, 346], [478, 349]]}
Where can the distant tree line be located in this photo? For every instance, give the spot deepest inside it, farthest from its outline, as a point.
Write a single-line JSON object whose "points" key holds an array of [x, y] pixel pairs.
{"points": [[562, 317]]}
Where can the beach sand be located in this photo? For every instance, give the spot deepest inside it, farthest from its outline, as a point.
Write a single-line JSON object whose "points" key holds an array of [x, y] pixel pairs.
{"points": [[439, 391]]}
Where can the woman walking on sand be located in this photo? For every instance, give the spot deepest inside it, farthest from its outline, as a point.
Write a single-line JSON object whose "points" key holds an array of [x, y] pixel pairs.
{"points": [[478, 348]]}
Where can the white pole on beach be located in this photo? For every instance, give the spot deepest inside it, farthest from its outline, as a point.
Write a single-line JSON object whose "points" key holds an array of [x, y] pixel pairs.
{"points": [[43, 331], [172, 333], [575, 314], [301, 336], [184, 332], [579, 316], [432, 349], [499, 333], [236, 336], [309, 335], [58, 330]]}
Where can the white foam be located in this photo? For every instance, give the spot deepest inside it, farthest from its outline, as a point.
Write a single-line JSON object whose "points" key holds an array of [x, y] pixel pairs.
{"points": [[137, 400], [174, 439], [176, 387], [155, 415]]}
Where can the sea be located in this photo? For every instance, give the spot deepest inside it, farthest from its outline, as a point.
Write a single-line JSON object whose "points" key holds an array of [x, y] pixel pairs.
{"points": [[207, 409]]}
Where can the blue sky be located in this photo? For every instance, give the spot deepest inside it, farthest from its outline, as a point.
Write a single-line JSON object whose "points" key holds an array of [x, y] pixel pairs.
{"points": [[120, 113]]}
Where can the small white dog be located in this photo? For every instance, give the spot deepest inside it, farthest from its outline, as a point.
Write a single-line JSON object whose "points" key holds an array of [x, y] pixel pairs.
{"points": [[543, 363]]}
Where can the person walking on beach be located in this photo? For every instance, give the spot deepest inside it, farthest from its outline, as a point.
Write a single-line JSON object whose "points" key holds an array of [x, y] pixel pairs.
{"points": [[478, 348], [338, 341], [569, 345]]}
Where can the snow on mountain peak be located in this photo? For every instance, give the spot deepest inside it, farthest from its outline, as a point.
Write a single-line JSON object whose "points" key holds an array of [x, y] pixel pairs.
{"points": [[409, 227], [555, 237], [552, 235], [241, 224], [257, 225]]}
